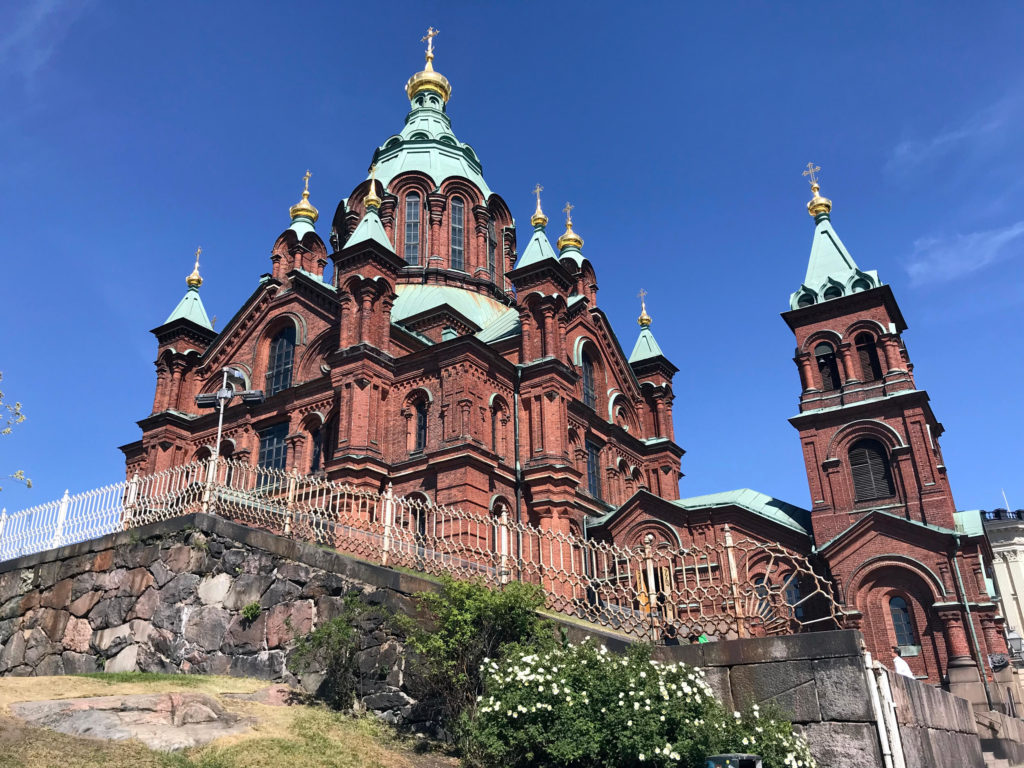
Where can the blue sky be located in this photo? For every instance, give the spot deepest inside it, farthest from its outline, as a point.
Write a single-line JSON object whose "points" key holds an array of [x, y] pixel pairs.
{"points": [[133, 132]]}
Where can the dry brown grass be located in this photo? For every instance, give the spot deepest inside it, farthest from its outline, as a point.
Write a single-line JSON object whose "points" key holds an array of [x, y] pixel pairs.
{"points": [[282, 736]]}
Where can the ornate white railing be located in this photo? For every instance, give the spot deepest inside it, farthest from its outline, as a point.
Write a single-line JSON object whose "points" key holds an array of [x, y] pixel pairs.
{"points": [[655, 591]]}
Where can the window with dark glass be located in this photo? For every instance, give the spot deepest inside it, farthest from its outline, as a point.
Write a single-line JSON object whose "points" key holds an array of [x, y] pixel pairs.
{"points": [[421, 426], [872, 476], [793, 597], [412, 228], [282, 356], [827, 367], [902, 624], [273, 446], [589, 393], [867, 353], [594, 470], [492, 247], [762, 590], [458, 234], [495, 421], [317, 438]]}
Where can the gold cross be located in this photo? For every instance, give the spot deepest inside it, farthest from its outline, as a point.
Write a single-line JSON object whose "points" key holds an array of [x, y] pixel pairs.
{"points": [[568, 212], [811, 170], [373, 175], [306, 179], [198, 251], [429, 40], [642, 295], [537, 190]]}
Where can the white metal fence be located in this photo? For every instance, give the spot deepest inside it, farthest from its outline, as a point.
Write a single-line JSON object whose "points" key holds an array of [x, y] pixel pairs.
{"points": [[656, 591]]}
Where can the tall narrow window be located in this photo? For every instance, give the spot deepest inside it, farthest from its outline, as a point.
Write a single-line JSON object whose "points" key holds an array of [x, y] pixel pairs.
{"points": [[274, 447], [827, 367], [282, 355], [867, 353], [593, 470], [902, 624], [589, 393], [458, 234], [495, 421], [421, 426], [872, 476], [317, 438], [412, 228], [492, 247]]}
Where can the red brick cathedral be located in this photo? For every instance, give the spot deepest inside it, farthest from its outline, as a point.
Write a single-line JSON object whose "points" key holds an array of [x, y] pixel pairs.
{"points": [[437, 355]]}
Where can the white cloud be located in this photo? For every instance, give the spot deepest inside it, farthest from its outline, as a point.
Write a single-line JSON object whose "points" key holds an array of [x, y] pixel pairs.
{"points": [[37, 30], [939, 259]]}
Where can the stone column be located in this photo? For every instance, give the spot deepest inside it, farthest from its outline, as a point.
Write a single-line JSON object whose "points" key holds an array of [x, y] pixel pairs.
{"points": [[481, 217], [956, 634], [435, 205], [803, 362], [846, 358], [387, 216]]}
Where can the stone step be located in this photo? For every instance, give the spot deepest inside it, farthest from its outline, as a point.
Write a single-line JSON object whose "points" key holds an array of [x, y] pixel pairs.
{"points": [[992, 762]]}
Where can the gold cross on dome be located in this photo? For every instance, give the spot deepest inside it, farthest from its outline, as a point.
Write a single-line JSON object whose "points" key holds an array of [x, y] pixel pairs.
{"points": [[537, 190], [198, 251], [373, 173], [812, 169], [306, 179], [642, 295], [429, 40], [568, 212]]}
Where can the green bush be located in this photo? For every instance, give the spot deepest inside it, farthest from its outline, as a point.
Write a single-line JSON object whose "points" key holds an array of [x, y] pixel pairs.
{"points": [[464, 624], [331, 648], [581, 706], [251, 612]]}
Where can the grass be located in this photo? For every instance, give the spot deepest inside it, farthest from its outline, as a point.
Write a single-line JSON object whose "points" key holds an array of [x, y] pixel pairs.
{"points": [[282, 736]]}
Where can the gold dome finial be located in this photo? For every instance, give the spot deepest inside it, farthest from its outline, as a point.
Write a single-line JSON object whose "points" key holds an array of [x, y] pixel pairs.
{"points": [[371, 200], [304, 207], [194, 280], [644, 320], [428, 79], [569, 239], [817, 205], [538, 219]]}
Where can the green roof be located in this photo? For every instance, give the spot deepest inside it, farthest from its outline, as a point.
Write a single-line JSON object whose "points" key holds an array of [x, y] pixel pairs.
{"points": [[761, 504], [538, 249], [427, 144], [830, 268], [370, 228], [415, 299], [191, 308], [969, 523], [646, 347]]}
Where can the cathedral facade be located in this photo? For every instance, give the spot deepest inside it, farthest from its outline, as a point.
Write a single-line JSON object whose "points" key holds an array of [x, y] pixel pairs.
{"points": [[441, 355]]}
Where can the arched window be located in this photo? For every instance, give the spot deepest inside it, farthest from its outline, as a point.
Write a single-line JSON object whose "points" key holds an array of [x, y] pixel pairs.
{"points": [[492, 247], [833, 292], [594, 469], [458, 234], [317, 460], [421, 426], [872, 476], [282, 355], [867, 353], [827, 367], [274, 446], [589, 393], [902, 624], [412, 228]]}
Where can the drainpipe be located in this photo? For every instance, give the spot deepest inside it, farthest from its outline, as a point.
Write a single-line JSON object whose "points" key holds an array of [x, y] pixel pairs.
{"points": [[876, 709], [518, 476], [970, 623], [889, 714]]}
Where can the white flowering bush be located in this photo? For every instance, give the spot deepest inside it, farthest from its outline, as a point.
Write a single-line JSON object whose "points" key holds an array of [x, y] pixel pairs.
{"points": [[582, 706]]}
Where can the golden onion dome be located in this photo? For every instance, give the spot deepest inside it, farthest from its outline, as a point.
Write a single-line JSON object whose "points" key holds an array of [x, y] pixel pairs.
{"points": [[569, 239], [817, 205], [538, 219], [195, 280], [304, 208], [428, 79], [644, 320]]}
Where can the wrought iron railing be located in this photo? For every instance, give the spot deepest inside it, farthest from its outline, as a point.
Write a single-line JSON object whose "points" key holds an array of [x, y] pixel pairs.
{"points": [[656, 591]]}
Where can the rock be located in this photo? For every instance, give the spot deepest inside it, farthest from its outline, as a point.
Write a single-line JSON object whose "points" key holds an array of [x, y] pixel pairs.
{"points": [[214, 664], [166, 643], [266, 665], [141, 555], [77, 635], [179, 589], [213, 589], [110, 612], [246, 636], [244, 590], [182, 559], [145, 606], [293, 572], [59, 596], [74, 566], [49, 666], [7, 629], [280, 591], [10, 585], [169, 616], [38, 645], [82, 584], [79, 663], [271, 696], [125, 661], [113, 639], [232, 560], [161, 572], [136, 582], [323, 583], [13, 653], [112, 581], [298, 615], [53, 622], [207, 627], [104, 561], [329, 608], [151, 661], [30, 601], [387, 700], [11, 608], [84, 603]]}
